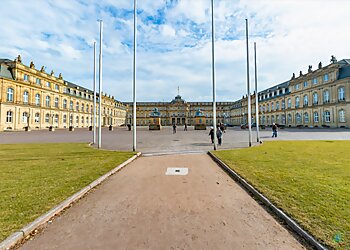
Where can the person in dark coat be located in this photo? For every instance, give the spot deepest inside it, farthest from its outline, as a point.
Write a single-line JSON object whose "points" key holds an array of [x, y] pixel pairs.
{"points": [[185, 129], [174, 128], [274, 130], [211, 134], [219, 136]]}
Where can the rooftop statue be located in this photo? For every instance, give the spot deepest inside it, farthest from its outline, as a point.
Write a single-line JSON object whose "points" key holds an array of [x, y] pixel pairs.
{"points": [[42, 69], [18, 59], [310, 69], [300, 73], [32, 66], [320, 65], [333, 59], [293, 76]]}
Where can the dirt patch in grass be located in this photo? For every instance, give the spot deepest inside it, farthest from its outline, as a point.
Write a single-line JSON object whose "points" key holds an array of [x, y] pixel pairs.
{"points": [[36, 177], [309, 180]]}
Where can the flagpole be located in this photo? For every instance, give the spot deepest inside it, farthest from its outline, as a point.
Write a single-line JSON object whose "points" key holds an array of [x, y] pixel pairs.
{"points": [[256, 97], [134, 80], [248, 90], [94, 112], [213, 71], [100, 87]]}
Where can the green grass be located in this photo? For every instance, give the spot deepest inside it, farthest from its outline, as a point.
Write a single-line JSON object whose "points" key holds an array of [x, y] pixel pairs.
{"points": [[309, 180], [36, 177]]}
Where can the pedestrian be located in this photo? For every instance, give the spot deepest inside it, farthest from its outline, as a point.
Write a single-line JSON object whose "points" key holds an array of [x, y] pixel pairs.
{"points": [[129, 127], [222, 127], [274, 130], [185, 129], [219, 136], [211, 134], [174, 128]]}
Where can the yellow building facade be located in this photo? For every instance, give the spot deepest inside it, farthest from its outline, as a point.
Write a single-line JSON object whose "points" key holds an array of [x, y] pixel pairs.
{"points": [[319, 98], [39, 100]]}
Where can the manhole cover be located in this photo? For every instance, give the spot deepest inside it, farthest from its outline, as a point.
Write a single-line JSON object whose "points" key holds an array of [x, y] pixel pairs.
{"points": [[176, 171]]}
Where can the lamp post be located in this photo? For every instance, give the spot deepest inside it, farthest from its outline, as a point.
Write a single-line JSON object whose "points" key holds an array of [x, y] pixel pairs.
{"points": [[213, 69], [100, 87], [248, 89], [134, 80]]}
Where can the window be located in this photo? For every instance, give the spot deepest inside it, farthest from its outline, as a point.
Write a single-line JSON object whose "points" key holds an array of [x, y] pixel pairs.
{"points": [[71, 105], [56, 118], [306, 100], [306, 118], [47, 118], [315, 116], [37, 118], [10, 95], [77, 119], [38, 81], [325, 96], [327, 116], [315, 98], [87, 120], [314, 81], [298, 118], [283, 104], [48, 84], [37, 99], [70, 119], [297, 102], [297, 87], [82, 119], [77, 106], [82, 107], [341, 115], [25, 97], [305, 84], [341, 94], [268, 108], [272, 106], [87, 108], [24, 117], [48, 101], [57, 87], [277, 105], [289, 118], [64, 103], [25, 77], [283, 119], [9, 116], [272, 119], [289, 103], [325, 78], [64, 119], [56, 102]]}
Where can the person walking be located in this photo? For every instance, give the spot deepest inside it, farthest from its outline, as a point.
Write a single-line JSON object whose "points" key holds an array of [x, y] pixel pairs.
{"points": [[274, 130], [211, 134], [185, 129], [222, 127], [219, 136], [174, 128]]}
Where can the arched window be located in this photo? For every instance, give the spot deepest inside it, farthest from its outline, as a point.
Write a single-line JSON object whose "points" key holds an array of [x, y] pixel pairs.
{"points": [[316, 116], [24, 117], [272, 119], [56, 118], [327, 116], [82, 107], [306, 100], [9, 116], [37, 99], [77, 119], [342, 116], [56, 102], [289, 103], [10, 94], [87, 108], [298, 118], [315, 98], [341, 94], [25, 97], [306, 117], [48, 101], [277, 105], [47, 118], [71, 105], [325, 96], [87, 120], [289, 118], [64, 103], [297, 102], [37, 118], [64, 119], [272, 106], [82, 119], [77, 106], [70, 119]]}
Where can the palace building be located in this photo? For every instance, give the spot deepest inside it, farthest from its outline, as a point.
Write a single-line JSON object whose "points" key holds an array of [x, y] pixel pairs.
{"points": [[319, 98], [31, 98]]}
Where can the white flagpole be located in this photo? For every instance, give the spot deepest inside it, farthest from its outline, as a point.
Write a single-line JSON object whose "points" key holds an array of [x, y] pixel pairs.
{"points": [[134, 79], [256, 97], [94, 112], [213, 70], [248, 90], [100, 88]]}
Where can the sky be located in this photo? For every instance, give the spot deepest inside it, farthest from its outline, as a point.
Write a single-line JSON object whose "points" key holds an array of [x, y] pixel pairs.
{"points": [[174, 42]]}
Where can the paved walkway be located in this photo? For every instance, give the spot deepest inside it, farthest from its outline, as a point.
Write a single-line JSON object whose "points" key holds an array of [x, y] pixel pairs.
{"points": [[142, 208]]}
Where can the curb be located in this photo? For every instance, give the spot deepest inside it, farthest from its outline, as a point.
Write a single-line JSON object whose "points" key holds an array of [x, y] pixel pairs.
{"points": [[16, 237], [278, 212]]}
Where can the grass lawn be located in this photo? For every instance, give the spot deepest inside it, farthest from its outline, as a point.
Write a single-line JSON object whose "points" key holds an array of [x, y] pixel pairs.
{"points": [[309, 180], [36, 177]]}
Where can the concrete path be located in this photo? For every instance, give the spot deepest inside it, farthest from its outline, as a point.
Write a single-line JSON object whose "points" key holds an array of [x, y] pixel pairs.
{"points": [[142, 208]]}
